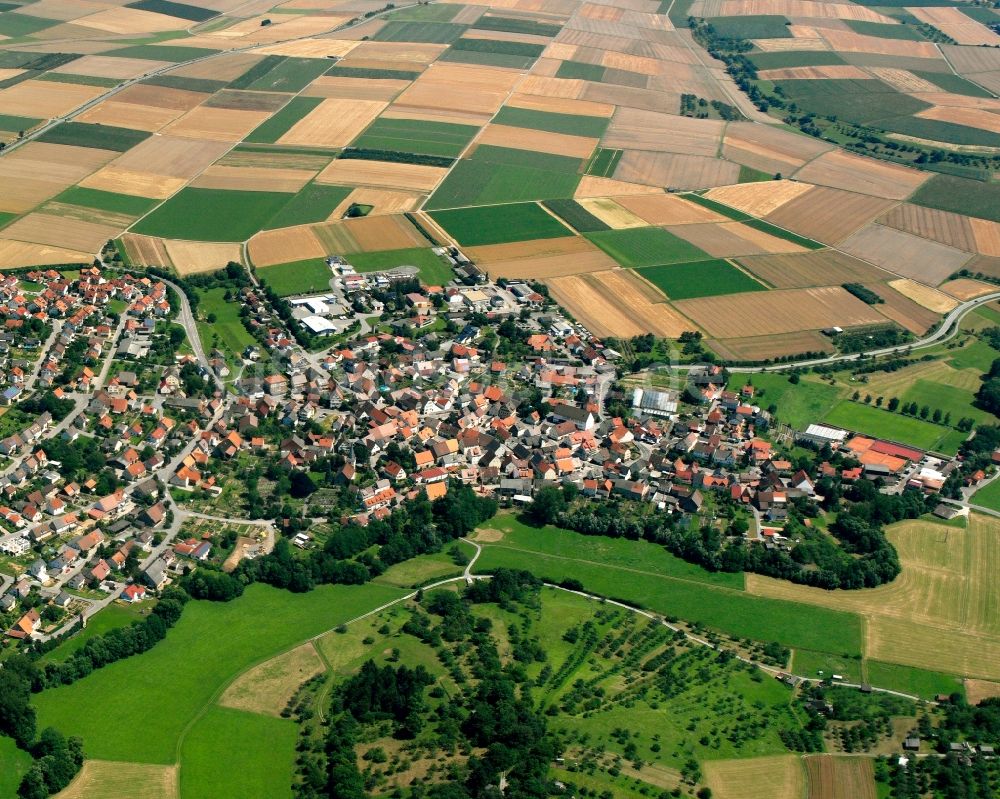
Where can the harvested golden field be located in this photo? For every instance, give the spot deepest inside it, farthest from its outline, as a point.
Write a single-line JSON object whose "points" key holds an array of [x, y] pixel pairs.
{"points": [[850, 42], [776, 777], [538, 140], [71, 234], [103, 779], [561, 105], [667, 209], [406, 53], [333, 123], [382, 174], [161, 97], [940, 613], [813, 268], [967, 289], [275, 160], [310, 48], [138, 117], [905, 254], [612, 214], [953, 230], [367, 234], [902, 310], [36, 172], [225, 67], [673, 171], [791, 8], [761, 348], [842, 170], [730, 239], [987, 236], [46, 99], [616, 303], [970, 117], [978, 690], [458, 88], [758, 199], [355, 89], [768, 148], [791, 45], [591, 186], [631, 128], [268, 687], [284, 245], [952, 22], [140, 184], [383, 201], [831, 777], [903, 80], [192, 257], [101, 66], [249, 178], [14, 254], [171, 156], [765, 313], [559, 88], [244, 100], [544, 258], [215, 124], [931, 299], [128, 21], [828, 215], [146, 250]]}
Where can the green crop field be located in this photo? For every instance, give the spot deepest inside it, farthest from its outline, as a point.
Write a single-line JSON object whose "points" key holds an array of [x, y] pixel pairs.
{"points": [[314, 203], [647, 246], [299, 277], [859, 101], [499, 224], [100, 137], [885, 31], [290, 75], [514, 25], [15, 123], [85, 80], [106, 201], [374, 74], [163, 52], [575, 215], [428, 13], [910, 680], [434, 270], [487, 58], [729, 610], [781, 233], [187, 84], [168, 686], [796, 58], [762, 26], [234, 753], [213, 214], [578, 70], [799, 405], [574, 124], [961, 196], [171, 9], [256, 72], [280, 123], [420, 31], [718, 207], [14, 764], [603, 162], [416, 136], [894, 426], [501, 174], [936, 130], [955, 84], [13, 24], [700, 279], [988, 496]]}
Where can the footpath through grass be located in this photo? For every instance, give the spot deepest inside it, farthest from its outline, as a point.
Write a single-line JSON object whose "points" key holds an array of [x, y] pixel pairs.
{"points": [[679, 589], [167, 687]]}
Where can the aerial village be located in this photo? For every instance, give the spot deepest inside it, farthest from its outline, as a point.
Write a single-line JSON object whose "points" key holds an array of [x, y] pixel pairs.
{"points": [[130, 455]]}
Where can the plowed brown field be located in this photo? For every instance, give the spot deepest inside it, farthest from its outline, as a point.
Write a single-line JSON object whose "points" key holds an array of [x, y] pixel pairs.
{"points": [[815, 268]]}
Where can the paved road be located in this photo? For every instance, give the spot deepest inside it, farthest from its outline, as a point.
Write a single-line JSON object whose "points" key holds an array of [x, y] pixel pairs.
{"points": [[110, 357], [29, 382]]}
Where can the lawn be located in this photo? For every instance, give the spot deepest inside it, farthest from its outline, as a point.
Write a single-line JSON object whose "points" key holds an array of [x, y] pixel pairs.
{"points": [[227, 331], [988, 496], [798, 405], [700, 279], [910, 680], [234, 753], [434, 270], [100, 137], [213, 214], [299, 277], [111, 618], [499, 224], [106, 201], [276, 126], [960, 195], [314, 203], [501, 174], [168, 686], [416, 136], [807, 663], [574, 124], [946, 398], [14, 764], [893, 426], [647, 246]]}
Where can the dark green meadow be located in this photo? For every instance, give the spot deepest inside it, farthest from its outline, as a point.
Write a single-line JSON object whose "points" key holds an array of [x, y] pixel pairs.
{"points": [[99, 137], [574, 124], [212, 214], [647, 246]]}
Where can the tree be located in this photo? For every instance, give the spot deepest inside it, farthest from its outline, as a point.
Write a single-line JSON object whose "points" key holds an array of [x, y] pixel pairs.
{"points": [[893, 404], [301, 485], [17, 716], [549, 502]]}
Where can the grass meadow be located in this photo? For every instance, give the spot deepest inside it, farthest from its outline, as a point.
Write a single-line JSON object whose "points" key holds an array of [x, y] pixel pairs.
{"points": [[434, 271], [299, 277], [111, 618], [799, 405], [227, 332], [14, 764], [911, 680], [170, 685]]}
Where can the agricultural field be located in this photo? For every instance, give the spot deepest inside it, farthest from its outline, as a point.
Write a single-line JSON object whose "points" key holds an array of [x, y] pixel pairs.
{"points": [[299, 277], [500, 224], [433, 270], [212, 214], [700, 279]]}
